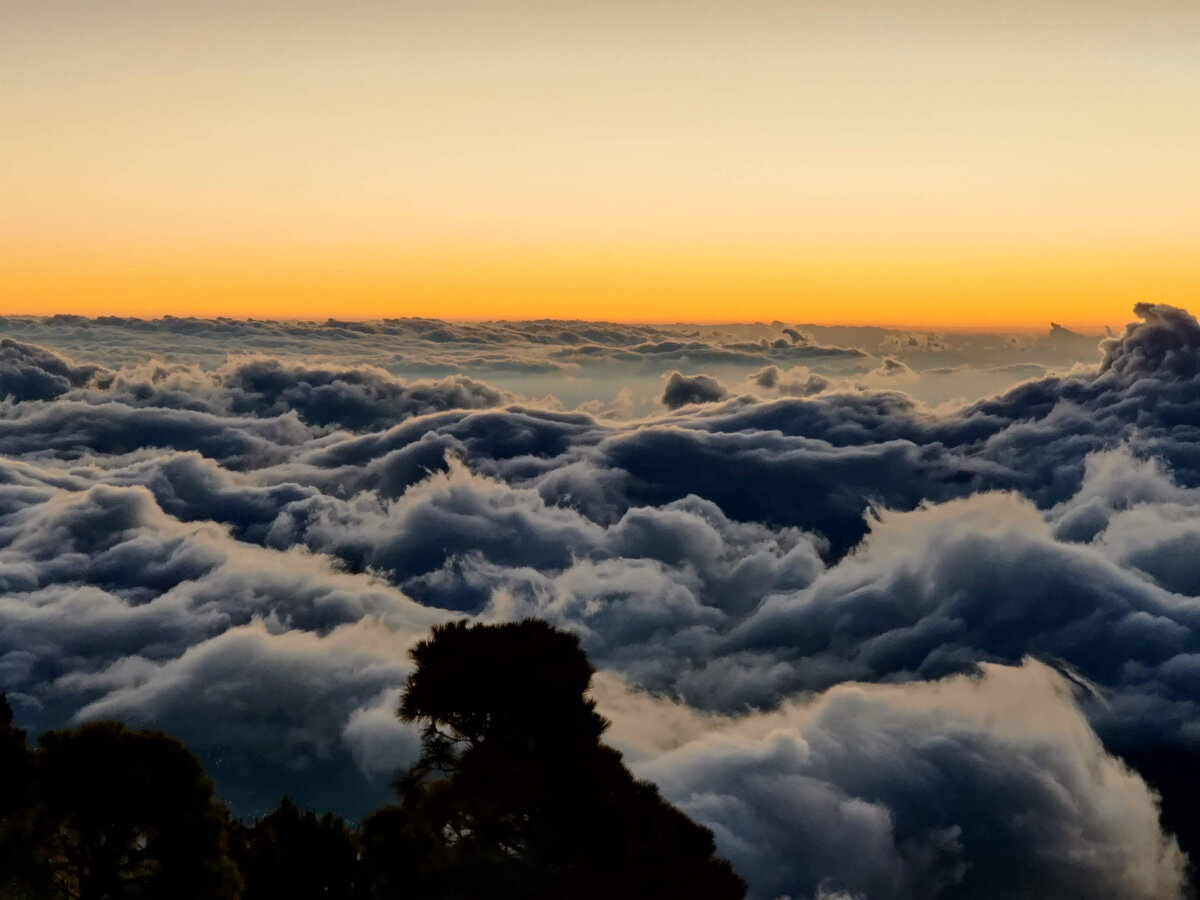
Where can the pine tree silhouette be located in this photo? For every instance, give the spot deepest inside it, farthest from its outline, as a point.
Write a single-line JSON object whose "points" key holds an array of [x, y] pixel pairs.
{"points": [[514, 796], [127, 815]]}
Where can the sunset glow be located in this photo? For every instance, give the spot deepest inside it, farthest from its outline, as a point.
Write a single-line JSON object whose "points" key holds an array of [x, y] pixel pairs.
{"points": [[908, 164]]}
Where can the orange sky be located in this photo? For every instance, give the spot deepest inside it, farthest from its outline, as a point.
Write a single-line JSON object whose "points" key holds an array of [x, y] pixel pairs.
{"points": [[909, 163]]}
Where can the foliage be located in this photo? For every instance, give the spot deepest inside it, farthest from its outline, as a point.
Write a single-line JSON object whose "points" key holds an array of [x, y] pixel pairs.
{"points": [[297, 855], [515, 796], [107, 813]]}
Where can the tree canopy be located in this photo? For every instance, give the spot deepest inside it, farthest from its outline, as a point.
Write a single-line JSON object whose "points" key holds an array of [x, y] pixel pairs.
{"points": [[514, 795], [129, 814], [102, 812], [298, 855]]}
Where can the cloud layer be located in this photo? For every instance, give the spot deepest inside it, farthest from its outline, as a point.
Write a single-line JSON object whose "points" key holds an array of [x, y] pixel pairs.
{"points": [[813, 598]]}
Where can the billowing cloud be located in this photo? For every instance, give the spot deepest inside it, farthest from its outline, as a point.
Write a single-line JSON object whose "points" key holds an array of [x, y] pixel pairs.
{"points": [[29, 372], [985, 787]]}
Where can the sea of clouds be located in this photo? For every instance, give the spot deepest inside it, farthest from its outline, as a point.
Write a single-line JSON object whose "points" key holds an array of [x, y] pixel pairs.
{"points": [[897, 615]]}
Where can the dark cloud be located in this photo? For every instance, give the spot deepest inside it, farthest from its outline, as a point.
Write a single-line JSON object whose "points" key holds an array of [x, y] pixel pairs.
{"points": [[1164, 345], [358, 399], [28, 372], [684, 390]]}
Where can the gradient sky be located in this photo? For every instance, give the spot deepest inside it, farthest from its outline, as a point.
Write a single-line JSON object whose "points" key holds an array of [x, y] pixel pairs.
{"points": [[903, 163]]}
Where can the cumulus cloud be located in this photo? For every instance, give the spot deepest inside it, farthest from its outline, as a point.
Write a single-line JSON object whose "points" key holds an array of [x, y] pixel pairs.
{"points": [[28, 372], [683, 390], [894, 792], [1165, 344]]}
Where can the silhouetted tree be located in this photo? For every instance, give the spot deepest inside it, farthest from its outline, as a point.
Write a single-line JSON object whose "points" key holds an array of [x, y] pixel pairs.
{"points": [[514, 796], [16, 763], [127, 815], [294, 855], [18, 875]]}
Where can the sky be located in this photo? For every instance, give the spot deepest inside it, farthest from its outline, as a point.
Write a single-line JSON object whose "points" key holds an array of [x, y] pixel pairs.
{"points": [[914, 164]]}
